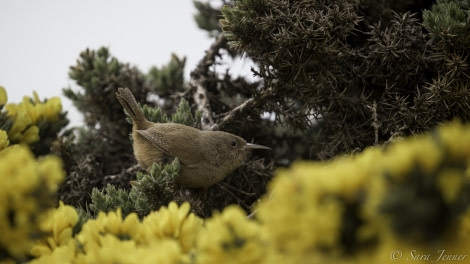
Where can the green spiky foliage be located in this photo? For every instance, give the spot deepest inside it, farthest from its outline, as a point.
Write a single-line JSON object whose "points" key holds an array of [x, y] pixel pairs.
{"points": [[448, 19], [48, 134], [98, 75], [207, 17], [449, 25], [156, 188], [169, 78], [331, 74], [111, 198], [182, 115], [150, 191]]}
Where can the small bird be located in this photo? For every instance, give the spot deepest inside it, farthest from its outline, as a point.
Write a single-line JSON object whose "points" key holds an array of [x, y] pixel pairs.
{"points": [[206, 157]]}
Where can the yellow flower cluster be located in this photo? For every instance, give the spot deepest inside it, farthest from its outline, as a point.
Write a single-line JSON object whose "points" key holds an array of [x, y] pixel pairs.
{"points": [[164, 236], [175, 223], [311, 206], [26, 189], [303, 212], [230, 238], [59, 224], [353, 209], [28, 114], [4, 142], [3, 96], [169, 235]]}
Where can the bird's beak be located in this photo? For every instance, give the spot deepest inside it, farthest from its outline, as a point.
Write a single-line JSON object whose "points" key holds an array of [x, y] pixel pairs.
{"points": [[254, 146]]}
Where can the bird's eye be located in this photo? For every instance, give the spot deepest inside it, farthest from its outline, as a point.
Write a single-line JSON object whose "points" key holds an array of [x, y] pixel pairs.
{"points": [[233, 143]]}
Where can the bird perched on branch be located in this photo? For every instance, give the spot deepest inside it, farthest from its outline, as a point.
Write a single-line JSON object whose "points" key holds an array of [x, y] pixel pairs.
{"points": [[206, 157]]}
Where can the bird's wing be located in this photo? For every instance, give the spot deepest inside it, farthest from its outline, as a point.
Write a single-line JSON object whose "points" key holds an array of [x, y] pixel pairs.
{"points": [[158, 140]]}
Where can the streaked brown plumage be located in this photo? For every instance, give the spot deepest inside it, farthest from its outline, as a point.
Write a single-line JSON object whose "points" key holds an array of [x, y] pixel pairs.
{"points": [[206, 157]]}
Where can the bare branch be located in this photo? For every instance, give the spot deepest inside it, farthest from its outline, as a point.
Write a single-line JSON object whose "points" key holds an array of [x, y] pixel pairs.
{"points": [[245, 108], [248, 104], [198, 78]]}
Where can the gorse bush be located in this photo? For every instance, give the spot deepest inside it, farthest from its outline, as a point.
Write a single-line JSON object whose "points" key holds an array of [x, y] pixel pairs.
{"points": [[31, 120], [356, 79], [28, 184]]}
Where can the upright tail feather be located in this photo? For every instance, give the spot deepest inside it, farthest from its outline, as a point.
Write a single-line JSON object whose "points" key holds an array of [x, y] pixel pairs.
{"points": [[127, 100]]}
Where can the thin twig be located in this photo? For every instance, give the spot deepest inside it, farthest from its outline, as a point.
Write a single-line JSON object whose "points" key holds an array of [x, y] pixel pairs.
{"points": [[375, 123], [234, 112], [239, 200], [132, 169], [238, 190], [245, 107]]}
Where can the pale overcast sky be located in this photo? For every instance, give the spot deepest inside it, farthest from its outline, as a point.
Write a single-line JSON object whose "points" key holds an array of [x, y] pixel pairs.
{"points": [[40, 39]]}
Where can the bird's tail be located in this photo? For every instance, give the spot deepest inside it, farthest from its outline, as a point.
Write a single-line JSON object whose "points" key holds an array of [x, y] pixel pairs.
{"points": [[127, 100]]}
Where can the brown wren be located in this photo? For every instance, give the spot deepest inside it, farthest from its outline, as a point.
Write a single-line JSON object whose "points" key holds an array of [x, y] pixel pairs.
{"points": [[206, 157]]}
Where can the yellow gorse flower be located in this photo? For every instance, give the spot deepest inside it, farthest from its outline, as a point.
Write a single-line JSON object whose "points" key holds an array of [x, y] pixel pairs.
{"points": [[59, 223], [28, 114], [173, 222], [109, 239], [311, 196], [4, 142], [108, 223], [304, 213], [230, 237], [3, 96], [109, 231], [64, 254], [23, 178], [52, 108]]}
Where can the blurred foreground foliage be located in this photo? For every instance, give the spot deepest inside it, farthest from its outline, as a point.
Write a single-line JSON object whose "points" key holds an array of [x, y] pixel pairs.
{"points": [[357, 208], [29, 184]]}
